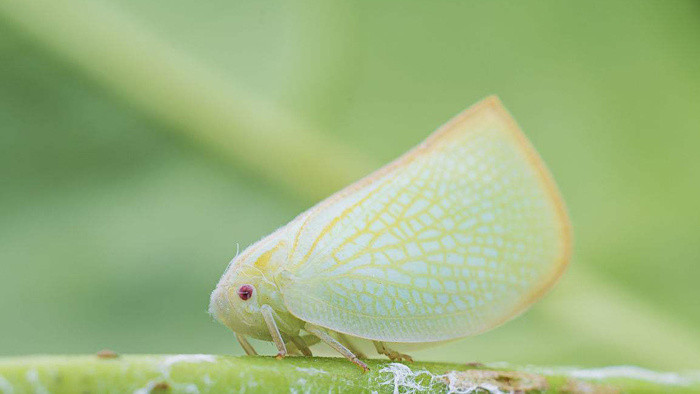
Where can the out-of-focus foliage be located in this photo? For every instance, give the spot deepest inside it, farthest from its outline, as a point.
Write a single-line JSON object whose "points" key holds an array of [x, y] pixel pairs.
{"points": [[114, 227]]}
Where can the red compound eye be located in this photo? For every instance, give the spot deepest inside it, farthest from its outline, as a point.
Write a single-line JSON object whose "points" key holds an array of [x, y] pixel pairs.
{"points": [[245, 292]]}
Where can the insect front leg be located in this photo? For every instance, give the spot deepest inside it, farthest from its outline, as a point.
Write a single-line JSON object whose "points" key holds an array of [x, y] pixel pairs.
{"points": [[269, 316], [392, 354], [332, 342], [249, 350]]}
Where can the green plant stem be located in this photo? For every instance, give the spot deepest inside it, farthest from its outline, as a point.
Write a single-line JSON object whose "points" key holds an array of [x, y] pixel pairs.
{"points": [[205, 373]]}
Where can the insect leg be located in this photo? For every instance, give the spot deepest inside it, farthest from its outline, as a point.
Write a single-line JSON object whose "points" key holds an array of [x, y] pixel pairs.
{"points": [[301, 345], [392, 354], [310, 340], [246, 345], [332, 342], [268, 315], [342, 338], [292, 349], [305, 341]]}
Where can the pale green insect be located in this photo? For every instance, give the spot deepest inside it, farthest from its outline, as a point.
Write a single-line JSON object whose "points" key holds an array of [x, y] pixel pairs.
{"points": [[454, 238]]}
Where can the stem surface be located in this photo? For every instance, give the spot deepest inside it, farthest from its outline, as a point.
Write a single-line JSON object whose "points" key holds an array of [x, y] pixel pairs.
{"points": [[208, 374]]}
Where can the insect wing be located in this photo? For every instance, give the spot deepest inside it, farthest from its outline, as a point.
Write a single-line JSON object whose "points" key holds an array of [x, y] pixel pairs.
{"points": [[455, 237]]}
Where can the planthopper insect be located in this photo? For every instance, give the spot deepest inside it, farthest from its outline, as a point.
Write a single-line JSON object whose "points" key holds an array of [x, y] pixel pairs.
{"points": [[454, 238]]}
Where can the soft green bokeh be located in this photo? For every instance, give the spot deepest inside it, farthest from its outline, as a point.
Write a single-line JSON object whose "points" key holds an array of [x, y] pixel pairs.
{"points": [[116, 222]]}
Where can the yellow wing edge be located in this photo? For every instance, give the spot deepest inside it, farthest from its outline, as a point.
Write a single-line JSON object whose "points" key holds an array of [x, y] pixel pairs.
{"points": [[452, 126], [566, 232], [535, 160]]}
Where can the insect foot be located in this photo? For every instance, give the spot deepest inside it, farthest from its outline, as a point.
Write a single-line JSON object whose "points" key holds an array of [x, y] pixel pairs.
{"points": [[396, 356], [392, 354]]}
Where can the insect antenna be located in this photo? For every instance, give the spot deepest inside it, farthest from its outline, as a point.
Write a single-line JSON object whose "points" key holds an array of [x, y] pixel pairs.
{"points": [[238, 251]]}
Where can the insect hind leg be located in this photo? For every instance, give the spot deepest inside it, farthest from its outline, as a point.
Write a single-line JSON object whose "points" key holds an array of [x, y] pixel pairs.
{"points": [[392, 354]]}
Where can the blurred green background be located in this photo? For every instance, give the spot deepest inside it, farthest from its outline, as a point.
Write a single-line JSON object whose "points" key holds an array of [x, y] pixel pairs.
{"points": [[140, 142]]}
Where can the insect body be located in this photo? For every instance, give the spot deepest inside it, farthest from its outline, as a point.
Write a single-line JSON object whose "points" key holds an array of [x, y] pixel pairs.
{"points": [[452, 239]]}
